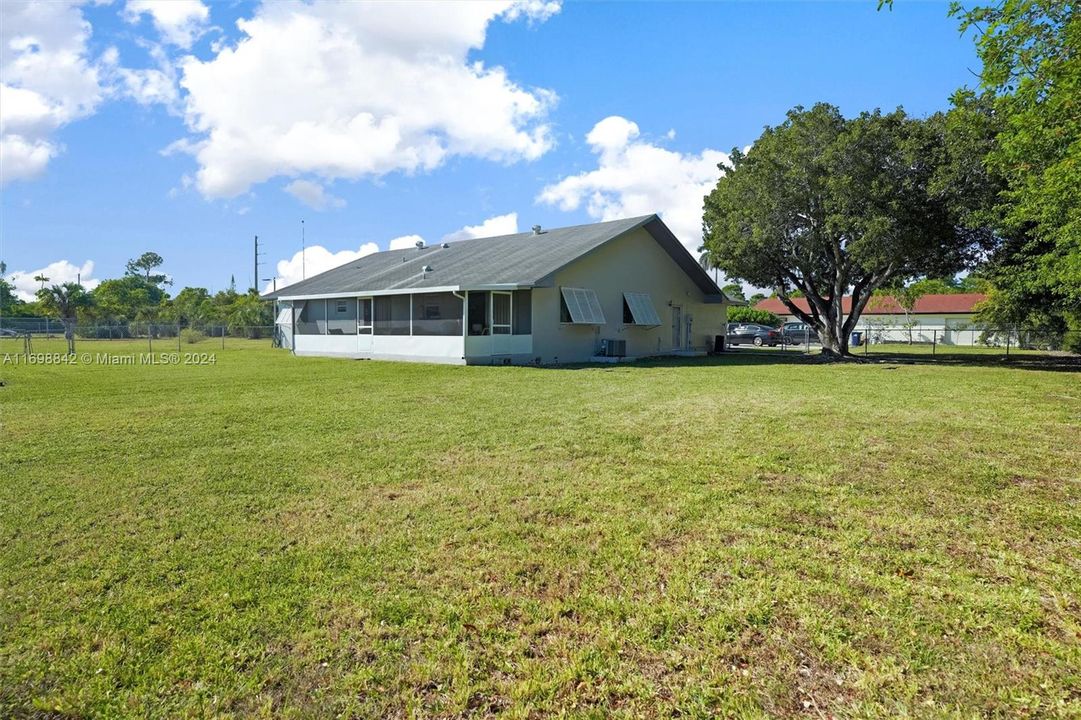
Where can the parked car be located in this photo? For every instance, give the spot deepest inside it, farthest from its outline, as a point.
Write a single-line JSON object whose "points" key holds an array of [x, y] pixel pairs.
{"points": [[752, 334], [7, 332], [796, 333]]}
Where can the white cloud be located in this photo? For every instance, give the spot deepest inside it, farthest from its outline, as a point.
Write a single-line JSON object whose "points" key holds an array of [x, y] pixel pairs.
{"points": [[534, 10], [636, 177], [180, 22], [351, 90], [492, 227], [404, 242], [58, 272], [48, 81], [314, 260], [150, 86], [22, 159], [313, 195]]}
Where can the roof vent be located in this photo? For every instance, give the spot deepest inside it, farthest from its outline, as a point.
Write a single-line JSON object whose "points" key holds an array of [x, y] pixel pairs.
{"points": [[427, 268], [420, 244], [537, 230], [445, 245]]}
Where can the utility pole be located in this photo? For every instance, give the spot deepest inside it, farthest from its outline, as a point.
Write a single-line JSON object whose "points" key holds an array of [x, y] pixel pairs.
{"points": [[255, 275]]}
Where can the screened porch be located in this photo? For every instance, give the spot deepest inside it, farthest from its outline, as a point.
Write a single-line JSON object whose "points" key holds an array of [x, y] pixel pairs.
{"points": [[434, 325]]}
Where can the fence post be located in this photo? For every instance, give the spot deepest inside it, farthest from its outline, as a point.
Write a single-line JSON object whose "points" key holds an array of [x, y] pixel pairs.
{"points": [[934, 341], [149, 337], [221, 331], [1007, 342]]}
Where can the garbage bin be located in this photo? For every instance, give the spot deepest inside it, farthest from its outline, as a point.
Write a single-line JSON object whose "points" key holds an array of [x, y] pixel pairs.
{"points": [[857, 339], [718, 343]]}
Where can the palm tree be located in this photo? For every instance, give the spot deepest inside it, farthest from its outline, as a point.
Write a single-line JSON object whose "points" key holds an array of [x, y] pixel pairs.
{"points": [[707, 262], [41, 279], [65, 301]]}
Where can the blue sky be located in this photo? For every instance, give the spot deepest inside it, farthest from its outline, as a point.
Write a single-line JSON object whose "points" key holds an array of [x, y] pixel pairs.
{"points": [[133, 126]]}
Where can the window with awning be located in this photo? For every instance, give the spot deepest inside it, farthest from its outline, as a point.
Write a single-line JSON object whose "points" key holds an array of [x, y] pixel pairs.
{"points": [[580, 306], [638, 309]]}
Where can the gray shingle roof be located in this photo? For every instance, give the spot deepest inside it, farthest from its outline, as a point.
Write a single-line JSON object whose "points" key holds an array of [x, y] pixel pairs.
{"points": [[523, 260]]}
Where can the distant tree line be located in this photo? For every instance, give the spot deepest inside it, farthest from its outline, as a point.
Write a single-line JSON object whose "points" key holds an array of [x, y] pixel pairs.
{"points": [[138, 301]]}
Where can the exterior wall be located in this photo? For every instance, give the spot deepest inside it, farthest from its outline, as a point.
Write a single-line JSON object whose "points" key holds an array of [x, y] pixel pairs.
{"points": [[497, 349], [421, 348], [947, 329], [952, 329], [632, 263]]}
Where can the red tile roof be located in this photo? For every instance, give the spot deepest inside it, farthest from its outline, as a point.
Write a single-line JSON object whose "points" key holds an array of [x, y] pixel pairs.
{"points": [[886, 305]]}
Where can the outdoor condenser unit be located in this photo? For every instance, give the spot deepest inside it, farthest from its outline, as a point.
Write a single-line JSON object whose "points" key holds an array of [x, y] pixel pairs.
{"points": [[614, 348]]}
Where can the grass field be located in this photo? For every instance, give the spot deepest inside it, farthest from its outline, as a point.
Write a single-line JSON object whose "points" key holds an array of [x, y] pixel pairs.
{"points": [[746, 536]]}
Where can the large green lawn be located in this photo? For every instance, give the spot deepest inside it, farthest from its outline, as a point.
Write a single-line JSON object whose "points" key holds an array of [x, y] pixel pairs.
{"points": [[273, 536]]}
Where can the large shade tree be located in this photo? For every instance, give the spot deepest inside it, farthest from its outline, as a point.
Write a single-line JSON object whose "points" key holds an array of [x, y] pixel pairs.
{"points": [[1030, 100], [822, 206], [65, 301]]}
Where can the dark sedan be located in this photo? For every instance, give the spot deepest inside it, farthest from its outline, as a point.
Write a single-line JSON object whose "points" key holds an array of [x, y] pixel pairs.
{"points": [[796, 333], [752, 334]]}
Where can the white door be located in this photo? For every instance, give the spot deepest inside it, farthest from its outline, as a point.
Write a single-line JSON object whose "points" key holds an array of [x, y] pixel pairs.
{"points": [[677, 327], [364, 325]]}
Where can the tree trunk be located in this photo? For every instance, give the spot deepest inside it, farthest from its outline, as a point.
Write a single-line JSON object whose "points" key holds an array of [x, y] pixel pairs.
{"points": [[833, 338], [69, 334]]}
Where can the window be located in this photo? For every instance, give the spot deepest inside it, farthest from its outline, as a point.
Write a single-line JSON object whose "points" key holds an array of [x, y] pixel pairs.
{"points": [[523, 312], [501, 313], [478, 312], [312, 319], [580, 306], [437, 314], [364, 316], [342, 316], [638, 310]]}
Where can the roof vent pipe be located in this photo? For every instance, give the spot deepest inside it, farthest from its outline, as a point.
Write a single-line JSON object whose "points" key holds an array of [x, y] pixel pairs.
{"points": [[420, 244], [536, 229], [445, 245]]}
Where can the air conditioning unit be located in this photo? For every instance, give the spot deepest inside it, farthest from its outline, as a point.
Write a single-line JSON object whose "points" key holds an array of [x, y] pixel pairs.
{"points": [[614, 348]]}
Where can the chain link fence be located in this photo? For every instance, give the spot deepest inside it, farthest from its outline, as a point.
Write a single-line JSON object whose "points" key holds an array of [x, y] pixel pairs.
{"points": [[20, 333], [949, 342]]}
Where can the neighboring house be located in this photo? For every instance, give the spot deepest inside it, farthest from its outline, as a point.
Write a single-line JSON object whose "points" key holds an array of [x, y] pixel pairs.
{"points": [[625, 288], [947, 319]]}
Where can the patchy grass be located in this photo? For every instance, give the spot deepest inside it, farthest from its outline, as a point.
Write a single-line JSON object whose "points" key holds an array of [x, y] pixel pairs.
{"points": [[748, 536]]}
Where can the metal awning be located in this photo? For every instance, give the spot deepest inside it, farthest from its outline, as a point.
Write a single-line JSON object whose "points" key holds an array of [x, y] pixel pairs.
{"points": [[583, 306], [641, 307]]}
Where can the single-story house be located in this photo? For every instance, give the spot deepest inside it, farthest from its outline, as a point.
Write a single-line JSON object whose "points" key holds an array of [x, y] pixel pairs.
{"points": [[947, 319], [604, 291]]}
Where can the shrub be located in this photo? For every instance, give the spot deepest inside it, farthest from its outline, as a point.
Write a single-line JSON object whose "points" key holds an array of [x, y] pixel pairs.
{"points": [[191, 336], [745, 314]]}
